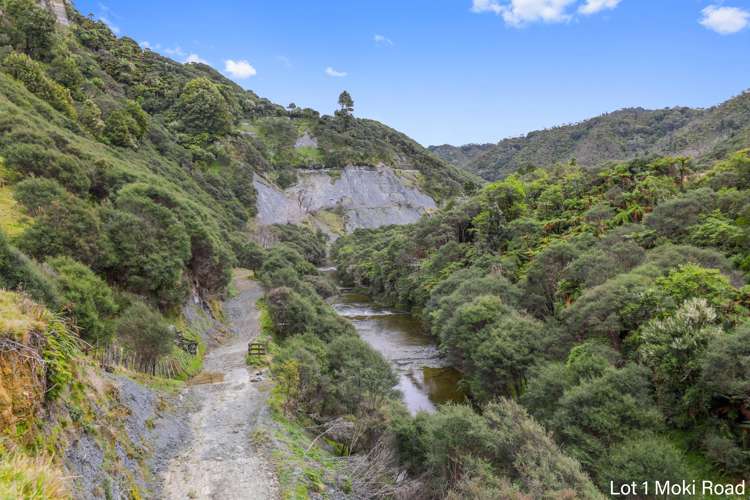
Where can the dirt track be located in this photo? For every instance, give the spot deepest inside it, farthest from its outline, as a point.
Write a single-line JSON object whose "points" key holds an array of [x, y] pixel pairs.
{"points": [[218, 459]]}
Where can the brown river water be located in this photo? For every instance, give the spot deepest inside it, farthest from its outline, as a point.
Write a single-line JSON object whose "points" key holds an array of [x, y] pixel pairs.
{"points": [[425, 380]]}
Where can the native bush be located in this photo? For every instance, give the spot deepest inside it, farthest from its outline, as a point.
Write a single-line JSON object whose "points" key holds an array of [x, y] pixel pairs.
{"points": [[87, 298], [32, 75], [145, 332]]}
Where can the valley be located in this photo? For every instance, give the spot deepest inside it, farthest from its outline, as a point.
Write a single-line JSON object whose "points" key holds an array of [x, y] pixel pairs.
{"points": [[206, 294]]}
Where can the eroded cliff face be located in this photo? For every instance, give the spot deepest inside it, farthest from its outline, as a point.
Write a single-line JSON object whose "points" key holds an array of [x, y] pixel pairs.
{"points": [[355, 197], [57, 7]]}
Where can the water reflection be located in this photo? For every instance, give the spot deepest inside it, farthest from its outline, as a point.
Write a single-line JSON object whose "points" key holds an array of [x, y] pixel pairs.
{"points": [[424, 378]]}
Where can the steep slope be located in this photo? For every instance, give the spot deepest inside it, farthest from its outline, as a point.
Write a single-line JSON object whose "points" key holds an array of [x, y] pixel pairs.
{"points": [[127, 197], [357, 197], [143, 144], [703, 134]]}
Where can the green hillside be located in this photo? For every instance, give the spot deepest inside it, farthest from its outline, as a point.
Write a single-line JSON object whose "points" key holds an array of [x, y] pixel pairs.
{"points": [[103, 140], [611, 304], [702, 134]]}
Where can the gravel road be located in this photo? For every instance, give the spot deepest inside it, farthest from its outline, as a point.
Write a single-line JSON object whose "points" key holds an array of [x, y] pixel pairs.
{"points": [[217, 458]]}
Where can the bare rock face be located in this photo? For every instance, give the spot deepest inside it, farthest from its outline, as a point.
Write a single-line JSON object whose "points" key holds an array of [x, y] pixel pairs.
{"points": [[57, 7], [306, 141], [366, 197]]}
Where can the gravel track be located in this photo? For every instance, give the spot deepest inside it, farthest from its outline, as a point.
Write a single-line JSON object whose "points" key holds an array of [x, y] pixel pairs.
{"points": [[216, 457]]}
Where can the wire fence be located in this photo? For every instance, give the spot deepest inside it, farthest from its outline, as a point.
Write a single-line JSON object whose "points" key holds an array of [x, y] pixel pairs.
{"points": [[167, 367]]}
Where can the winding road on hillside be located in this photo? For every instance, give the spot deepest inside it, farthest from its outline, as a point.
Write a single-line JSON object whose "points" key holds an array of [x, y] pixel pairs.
{"points": [[224, 407]]}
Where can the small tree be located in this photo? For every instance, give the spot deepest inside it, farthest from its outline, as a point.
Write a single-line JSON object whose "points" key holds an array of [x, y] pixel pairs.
{"points": [[28, 27], [88, 298], [145, 332], [346, 103], [202, 108]]}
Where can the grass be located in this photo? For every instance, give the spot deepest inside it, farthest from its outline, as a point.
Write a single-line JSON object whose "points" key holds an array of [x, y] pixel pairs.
{"points": [[302, 467], [332, 220], [12, 219], [20, 316], [30, 478], [308, 156], [266, 335]]}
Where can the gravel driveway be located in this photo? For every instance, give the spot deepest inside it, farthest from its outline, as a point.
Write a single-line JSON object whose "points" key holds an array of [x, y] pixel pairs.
{"points": [[217, 459]]}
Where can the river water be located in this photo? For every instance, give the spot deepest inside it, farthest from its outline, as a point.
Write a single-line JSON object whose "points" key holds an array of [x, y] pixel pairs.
{"points": [[425, 380]]}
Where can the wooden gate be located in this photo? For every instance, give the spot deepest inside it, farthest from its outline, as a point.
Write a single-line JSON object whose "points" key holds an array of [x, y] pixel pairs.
{"points": [[256, 349]]}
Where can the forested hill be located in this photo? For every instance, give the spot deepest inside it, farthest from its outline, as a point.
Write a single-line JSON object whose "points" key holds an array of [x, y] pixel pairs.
{"points": [[102, 139], [127, 198], [610, 304], [702, 134]]}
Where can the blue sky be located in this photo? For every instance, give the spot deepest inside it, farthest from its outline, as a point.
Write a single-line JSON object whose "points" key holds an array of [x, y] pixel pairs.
{"points": [[458, 71]]}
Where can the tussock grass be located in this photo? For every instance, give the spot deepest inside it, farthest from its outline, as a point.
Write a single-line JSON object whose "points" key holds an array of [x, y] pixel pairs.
{"points": [[19, 316], [31, 478]]}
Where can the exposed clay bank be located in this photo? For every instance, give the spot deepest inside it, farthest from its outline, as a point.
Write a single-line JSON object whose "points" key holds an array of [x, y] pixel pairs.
{"points": [[364, 197]]}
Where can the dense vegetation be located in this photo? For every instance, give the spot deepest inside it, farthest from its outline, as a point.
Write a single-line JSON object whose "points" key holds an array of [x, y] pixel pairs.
{"points": [[610, 303], [590, 311], [703, 134], [128, 177], [330, 378]]}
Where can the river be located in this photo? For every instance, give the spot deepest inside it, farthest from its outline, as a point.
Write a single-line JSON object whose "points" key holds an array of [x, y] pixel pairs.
{"points": [[425, 380]]}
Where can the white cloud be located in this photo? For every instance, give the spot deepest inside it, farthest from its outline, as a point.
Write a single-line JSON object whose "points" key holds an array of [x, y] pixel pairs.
{"points": [[519, 13], [332, 72], [239, 69], [115, 29], [594, 6], [177, 51], [195, 58], [382, 40], [725, 20], [145, 44], [479, 6]]}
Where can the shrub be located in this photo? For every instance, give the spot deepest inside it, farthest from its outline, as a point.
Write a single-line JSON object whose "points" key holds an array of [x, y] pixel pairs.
{"points": [[145, 332], [310, 244], [18, 272], [504, 442], [362, 380], [88, 298], [301, 367], [38, 193], [211, 260], [249, 254], [673, 348], [292, 314], [151, 263], [32, 75], [467, 327], [724, 386], [282, 256], [41, 161], [692, 281], [121, 129], [203, 109], [647, 456], [64, 69], [672, 218], [91, 117], [596, 414], [67, 226], [499, 362], [29, 27]]}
